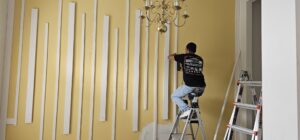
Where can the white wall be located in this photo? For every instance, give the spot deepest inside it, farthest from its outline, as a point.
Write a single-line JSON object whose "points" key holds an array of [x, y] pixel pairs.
{"points": [[298, 54], [6, 6], [279, 70]]}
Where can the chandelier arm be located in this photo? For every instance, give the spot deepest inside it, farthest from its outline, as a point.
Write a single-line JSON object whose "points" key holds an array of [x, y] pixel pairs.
{"points": [[170, 19], [148, 16], [176, 16], [159, 17], [154, 12], [180, 25], [170, 13], [148, 23]]}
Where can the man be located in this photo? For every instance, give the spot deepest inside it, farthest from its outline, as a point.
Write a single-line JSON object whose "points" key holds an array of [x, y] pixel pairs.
{"points": [[193, 77]]}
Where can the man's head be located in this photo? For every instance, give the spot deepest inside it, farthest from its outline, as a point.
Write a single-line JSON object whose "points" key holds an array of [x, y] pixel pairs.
{"points": [[191, 47]]}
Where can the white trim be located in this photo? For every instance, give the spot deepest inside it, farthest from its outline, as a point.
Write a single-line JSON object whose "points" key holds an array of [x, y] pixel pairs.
{"points": [[127, 14], [226, 96], [104, 80], [155, 83], [14, 119], [115, 77], [81, 69], [6, 67], [44, 82], [136, 71], [57, 69], [92, 96], [165, 107], [69, 68], [146, 66], [175, 68], [31, 66], [243, 39], [10, 121]]}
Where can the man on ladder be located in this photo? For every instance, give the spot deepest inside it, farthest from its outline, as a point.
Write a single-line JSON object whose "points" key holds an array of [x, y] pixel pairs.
{"points": [[193, 77]]}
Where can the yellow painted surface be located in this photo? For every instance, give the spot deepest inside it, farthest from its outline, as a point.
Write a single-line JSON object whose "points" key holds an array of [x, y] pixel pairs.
{"points": [[211, 26]]}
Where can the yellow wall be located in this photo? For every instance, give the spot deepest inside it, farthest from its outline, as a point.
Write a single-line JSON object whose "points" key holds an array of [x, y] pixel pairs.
{"points": [[211, 26]]}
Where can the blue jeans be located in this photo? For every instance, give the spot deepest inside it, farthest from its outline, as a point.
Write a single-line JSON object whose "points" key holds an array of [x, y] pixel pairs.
{"points": [[181, 92]]}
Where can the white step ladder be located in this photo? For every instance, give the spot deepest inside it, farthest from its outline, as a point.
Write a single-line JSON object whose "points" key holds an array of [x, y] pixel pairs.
{"points": [[256, 106], [189, 121]]}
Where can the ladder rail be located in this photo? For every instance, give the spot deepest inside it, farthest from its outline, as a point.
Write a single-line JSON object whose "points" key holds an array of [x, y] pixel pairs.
{"points": [[174, 125], [185, 126], [235, 112], [192, 132]]}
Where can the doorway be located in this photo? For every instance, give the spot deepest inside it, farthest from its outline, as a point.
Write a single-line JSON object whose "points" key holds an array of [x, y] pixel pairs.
{"points": [[256, 41]]}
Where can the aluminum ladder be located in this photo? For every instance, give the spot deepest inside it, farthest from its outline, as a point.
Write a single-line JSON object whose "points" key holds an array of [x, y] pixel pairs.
{"points": [[256, 106]]}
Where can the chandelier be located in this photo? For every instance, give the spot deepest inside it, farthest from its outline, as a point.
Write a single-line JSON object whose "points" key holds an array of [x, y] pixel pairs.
{"points": [[164, 12]]}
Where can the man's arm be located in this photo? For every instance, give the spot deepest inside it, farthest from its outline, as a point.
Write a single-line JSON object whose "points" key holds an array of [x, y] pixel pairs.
{"points": [[171, 56]]}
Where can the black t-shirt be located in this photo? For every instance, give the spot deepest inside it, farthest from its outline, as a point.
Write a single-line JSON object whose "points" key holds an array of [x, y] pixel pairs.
{"points": [[192, 65]]}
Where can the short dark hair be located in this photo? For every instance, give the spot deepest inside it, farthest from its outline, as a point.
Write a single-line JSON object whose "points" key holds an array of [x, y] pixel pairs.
{"points": [[191, 47]]}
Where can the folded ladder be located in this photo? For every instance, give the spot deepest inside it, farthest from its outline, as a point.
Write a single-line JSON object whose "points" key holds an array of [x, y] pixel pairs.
{"points": [[188, 122]]}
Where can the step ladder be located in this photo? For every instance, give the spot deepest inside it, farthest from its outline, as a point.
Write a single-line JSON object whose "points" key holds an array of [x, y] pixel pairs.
{"points": [[193, 118], [238, 104]]}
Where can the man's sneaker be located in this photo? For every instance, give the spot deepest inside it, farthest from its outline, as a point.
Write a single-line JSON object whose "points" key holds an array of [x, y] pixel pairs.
{"points": [[185, 114]]}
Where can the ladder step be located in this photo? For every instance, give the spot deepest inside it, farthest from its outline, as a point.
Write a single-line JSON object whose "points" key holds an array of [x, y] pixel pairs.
{"points": [[180, 134], [251, 83], [242, 129], [246, 106], [177, 136], [192, 120]]}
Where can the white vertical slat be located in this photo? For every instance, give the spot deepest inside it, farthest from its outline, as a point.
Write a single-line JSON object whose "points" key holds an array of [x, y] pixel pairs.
{"points": [[166, 75], [31, 66], [175, 68], [146, 67], [155, 80], [69, 68], [44, 82], [57, 69], [5, 74], [11, 121], [115, 77], [104, 79], [81, 68], [135, 115], [93, 58], [127, 12], [14, 119]]}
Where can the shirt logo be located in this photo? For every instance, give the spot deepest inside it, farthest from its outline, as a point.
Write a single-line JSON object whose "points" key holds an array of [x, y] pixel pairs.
{"points": [[193, 66]]}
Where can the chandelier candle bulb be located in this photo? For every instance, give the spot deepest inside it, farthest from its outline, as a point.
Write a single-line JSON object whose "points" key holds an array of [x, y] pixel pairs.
{"points": [[147, 3], [176, 2], [185, 12]]}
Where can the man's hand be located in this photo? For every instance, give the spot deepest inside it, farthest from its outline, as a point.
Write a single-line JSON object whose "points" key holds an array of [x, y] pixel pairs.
{"points": [[171, 56]]}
